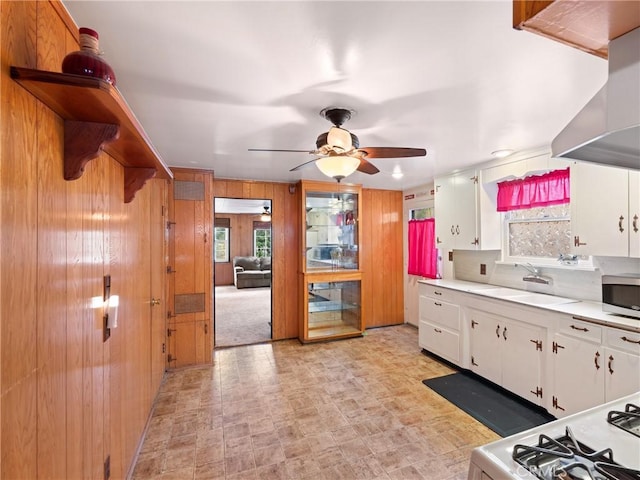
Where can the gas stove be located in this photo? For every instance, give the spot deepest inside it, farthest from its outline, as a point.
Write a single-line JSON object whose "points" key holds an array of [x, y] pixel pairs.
{"points": [[602, 443]]}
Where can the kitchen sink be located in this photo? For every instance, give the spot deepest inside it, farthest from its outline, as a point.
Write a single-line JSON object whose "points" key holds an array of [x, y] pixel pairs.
{"points": [[500, 292], [540, 299]]}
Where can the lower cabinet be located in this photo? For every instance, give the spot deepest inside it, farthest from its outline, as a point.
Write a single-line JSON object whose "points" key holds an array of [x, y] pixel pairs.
{"points": [[439, 327], [591, 364], [508, 352]]}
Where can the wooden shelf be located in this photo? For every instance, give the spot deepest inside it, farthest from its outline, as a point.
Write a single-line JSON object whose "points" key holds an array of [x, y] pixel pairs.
{"points": [[97, 118], [584, 24]]}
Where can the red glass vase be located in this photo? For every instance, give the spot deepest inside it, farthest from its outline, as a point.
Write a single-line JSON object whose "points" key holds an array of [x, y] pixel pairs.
{"points": [[87, 61]]}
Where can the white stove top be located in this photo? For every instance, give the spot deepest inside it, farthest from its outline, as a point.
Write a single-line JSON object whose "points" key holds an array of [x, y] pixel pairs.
{"points": [[589, 427]]}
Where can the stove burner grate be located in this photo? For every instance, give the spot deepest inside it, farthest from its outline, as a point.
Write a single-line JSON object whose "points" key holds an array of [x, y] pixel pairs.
{"points": [[565, 458], [629, 420]]}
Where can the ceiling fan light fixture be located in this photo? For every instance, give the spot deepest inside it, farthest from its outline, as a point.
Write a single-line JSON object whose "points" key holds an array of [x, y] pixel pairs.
{"points": [[339, 139], [266, 215], [338, 166]]}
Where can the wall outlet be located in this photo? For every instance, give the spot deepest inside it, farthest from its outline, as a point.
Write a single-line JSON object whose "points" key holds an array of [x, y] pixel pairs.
{"points": [[451, 256], [483, 269]]}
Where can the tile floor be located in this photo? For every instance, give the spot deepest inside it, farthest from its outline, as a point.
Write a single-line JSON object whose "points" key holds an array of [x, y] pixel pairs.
{"points": [[348, 409]]}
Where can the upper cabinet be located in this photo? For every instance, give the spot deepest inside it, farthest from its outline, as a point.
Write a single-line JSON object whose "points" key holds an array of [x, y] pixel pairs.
{"points": [[584, 24], [605, 206], [466, 216]]}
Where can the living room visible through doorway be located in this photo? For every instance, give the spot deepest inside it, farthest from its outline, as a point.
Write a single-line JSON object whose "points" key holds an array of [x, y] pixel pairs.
{"points": [[242, 259]]}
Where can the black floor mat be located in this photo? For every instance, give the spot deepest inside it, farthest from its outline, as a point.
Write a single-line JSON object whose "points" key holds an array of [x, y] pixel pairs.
{"points": [[499, 410]]}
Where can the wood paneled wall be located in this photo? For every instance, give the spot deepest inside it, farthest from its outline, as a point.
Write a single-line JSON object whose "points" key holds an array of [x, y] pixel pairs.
{"points": [[382, 263], [67, 399], [285, 231], [381, 257]]}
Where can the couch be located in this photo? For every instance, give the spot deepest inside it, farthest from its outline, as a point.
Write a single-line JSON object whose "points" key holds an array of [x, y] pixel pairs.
{"points": [[251, 272]]}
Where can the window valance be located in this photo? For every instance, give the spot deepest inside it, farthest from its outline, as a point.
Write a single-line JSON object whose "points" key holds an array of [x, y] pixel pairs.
{"points": [[535, 191]]}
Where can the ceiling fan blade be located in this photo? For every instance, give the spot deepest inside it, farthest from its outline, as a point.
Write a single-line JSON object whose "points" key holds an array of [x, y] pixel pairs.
{"points": [[302, 165], [392, 152], [275, 150], [367, 167]]}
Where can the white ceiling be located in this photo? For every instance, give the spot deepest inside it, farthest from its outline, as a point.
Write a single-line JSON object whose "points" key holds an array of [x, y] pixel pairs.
{"points": [[210, 79]]}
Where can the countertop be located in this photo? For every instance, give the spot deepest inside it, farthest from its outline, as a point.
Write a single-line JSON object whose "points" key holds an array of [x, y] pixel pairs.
{"points": [[584, 310]]}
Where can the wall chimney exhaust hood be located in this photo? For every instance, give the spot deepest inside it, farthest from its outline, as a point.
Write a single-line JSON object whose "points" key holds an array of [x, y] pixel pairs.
{"points": [[607, 129]]}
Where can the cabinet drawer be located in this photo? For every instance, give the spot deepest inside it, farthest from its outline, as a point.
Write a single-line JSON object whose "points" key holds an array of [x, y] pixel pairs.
{"points": [[440, 341], [581, 329], [623, 340], [439, 293], [440, 312]]}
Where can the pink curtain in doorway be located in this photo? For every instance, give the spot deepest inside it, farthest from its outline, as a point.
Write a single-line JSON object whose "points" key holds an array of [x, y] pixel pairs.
{"points": [[423, 255]]}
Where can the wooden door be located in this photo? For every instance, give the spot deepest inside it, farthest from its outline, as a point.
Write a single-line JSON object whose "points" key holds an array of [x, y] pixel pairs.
{"points": [[190, 267], [158, 269]]}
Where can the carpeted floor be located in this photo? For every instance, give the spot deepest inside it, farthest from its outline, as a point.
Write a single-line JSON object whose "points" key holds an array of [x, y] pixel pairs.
{"points": [[242, 316]]}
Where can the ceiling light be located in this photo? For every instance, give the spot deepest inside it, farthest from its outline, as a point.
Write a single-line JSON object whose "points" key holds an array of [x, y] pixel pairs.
{"points": [[339, 139], [397, 173], [502, 153], [266, 215], [338, 166]]}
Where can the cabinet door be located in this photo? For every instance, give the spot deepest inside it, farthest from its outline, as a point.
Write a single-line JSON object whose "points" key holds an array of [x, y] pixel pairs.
{"points": [[578, 375], [437, 339], [445, 207], [599, 227], [522, 360], [634, 214], [485, 344], [466, 211], [622, 376]]}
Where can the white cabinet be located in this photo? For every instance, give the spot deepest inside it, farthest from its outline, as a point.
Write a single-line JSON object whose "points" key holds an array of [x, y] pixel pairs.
{"points": [[604, 202], [591, 364], [576, 367], [466, 215], [621, 363], [508, 352], [439, 327]]}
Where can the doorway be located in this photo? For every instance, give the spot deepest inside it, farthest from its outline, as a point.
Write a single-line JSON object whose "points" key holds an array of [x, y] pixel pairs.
{"points": [[242, 271]]}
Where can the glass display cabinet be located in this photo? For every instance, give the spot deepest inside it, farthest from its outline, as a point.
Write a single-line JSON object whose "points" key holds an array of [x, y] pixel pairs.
{"points": [[330, 267]]}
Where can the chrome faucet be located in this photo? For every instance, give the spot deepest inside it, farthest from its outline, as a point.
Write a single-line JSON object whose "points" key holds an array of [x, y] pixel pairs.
{"points": [[535, 274]]}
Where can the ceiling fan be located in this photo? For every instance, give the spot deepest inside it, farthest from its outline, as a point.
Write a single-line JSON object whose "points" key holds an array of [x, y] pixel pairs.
{"points": [[339, 150]]}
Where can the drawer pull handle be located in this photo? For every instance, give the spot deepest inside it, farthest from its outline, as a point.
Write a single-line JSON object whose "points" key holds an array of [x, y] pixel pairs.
{"points": [[498, 331], [580, 329], [504, 333], [610, 364], [635, 223], [473, 323], [437, 304], [437, 293], [620, 227], [625, 339], [437, 330], [595, 360]]}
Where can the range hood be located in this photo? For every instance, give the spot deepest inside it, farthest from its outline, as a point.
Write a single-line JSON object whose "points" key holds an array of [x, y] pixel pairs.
{"points": [[607, 129]]}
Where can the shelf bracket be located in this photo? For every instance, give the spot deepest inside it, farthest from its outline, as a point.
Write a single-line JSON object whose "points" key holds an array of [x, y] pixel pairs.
{"points": [[83, 141], [134, 180]]}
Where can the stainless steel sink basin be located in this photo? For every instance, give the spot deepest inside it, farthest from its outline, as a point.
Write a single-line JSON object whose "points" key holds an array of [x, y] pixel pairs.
{"points": [[541, 299], [500, 292]]}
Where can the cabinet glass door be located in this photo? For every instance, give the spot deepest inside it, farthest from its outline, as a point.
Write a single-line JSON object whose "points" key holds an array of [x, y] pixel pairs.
{"points": [[331, 231], [333, 309]]}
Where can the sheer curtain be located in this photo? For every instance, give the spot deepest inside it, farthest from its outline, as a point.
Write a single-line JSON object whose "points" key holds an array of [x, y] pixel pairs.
{"points": [[423, 255], [535, 191]]}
